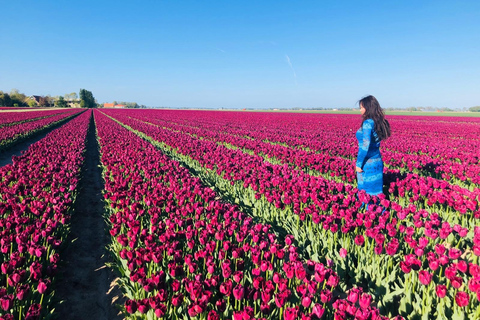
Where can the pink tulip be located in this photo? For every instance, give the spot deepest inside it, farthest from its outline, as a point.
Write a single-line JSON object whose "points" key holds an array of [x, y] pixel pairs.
{"points": [[239, 292], [365, 300], [462, 298], [441, 290]]}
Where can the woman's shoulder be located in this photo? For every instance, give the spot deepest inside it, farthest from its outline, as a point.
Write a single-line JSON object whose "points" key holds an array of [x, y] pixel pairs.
{"points": [[368, 123]]}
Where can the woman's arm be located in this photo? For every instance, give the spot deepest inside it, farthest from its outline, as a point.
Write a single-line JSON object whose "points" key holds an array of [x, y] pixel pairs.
{"points": [[367, 128]]}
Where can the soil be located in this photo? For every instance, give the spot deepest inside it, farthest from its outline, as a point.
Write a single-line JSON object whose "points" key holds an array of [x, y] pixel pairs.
{"points": [[86, 287]]}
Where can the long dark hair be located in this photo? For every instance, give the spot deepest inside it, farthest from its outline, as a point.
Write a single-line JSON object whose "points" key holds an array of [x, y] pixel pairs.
{"points": [[375, 112]]}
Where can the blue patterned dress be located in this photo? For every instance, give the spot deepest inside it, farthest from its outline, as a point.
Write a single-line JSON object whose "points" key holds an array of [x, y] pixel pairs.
{"points": [[369, 159]]}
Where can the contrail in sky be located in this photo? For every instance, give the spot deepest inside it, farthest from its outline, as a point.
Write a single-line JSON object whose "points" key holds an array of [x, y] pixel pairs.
{"points": [[291, 66]]}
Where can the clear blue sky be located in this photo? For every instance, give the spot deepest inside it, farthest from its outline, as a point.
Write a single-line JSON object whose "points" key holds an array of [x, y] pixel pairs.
{"points": [[245, 53]]}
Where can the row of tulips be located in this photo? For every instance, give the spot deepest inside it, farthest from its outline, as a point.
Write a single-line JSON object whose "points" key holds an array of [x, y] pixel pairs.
{"points": [[12, 118], [184, 253], [448, 137], [329, 209], [444, 149], [37, 192], [437, 194], [13, 134], [434, 194], [466, 171]]}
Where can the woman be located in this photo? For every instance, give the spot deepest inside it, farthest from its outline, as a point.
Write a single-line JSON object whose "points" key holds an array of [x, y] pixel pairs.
{"points": [[375, 128]]}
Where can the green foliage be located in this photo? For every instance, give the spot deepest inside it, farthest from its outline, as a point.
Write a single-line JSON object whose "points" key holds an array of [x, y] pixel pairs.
{"points": [[14, 98], [446, 109], [128, 104], [43, 102], [61, 103], [18, 99], [86, 99], [5, 99], [71, 96], [474, 109]]}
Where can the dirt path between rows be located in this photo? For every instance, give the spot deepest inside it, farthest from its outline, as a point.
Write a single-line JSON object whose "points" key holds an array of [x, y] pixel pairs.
{"points": [[85, 284]]}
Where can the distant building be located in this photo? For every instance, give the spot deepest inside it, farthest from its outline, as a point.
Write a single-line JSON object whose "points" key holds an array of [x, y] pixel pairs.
{"points": [[112, 105], [35, 99], [72, 103], [41, 101]]}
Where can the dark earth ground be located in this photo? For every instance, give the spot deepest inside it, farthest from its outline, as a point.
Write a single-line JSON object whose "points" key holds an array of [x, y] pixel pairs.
{"points": [[85, 286]]}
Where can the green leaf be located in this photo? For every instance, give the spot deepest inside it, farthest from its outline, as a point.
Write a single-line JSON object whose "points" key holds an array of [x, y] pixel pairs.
{"points": [[389, 296], [458, 315]]}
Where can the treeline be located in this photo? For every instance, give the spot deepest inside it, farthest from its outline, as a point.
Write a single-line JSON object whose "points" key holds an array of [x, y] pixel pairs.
{"points": [[13, 99], [474, 109], [129, 104], [72, 100]]}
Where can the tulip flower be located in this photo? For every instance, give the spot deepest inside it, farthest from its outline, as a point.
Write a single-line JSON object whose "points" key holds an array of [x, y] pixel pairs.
{"points": [[441, 290], [160, 311], [131, 306], [462, 298], [238, 292], [365, 300], [291, 313], [425, 277]]}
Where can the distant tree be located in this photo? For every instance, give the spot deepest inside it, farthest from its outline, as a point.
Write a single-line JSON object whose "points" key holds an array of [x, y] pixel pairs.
{"points": [[31, 103], [18, 98], [43, 101], [5, 99], [71, 96], [50, 100], [61, 103], [446, 109], [128, 104], [86, 99], [474, 109]]}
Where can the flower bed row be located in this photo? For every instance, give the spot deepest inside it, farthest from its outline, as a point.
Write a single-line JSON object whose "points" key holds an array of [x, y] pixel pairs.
{"points": [[184, 253], [424, 192], [13, 134], [37, 193], [12, 118], [465, 172], [446, 137], [404, 239]]}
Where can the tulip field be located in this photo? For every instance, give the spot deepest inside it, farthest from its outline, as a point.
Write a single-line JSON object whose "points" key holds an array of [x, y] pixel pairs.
{"points": [[37, 192], [245, 215], [16, 126]]}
